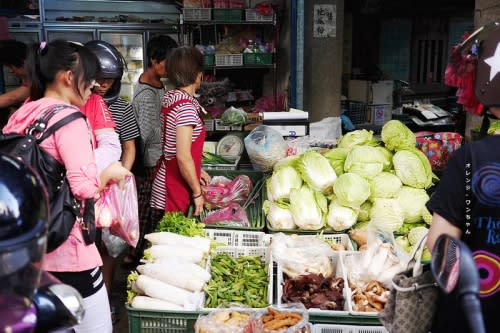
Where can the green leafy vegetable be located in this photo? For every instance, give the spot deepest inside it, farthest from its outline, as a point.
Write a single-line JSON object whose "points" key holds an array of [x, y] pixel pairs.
{"points": [[365, 161], [316, 171], [386, 214], [413, 168], [351, 190], [412, 201], [209, 158], [356, 138], [336, 157], [234, 116], [397, 136], [177, 223], [384, 185]]}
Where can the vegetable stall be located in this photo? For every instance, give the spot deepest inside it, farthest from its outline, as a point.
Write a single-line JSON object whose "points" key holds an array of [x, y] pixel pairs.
{"points": [[298, 244]]}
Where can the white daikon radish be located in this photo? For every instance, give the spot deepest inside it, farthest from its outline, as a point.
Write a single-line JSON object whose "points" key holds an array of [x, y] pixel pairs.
{"points": [[197, 271], [170, 238], [190, 254], [150, 303], [174, 275], [164, 291]]}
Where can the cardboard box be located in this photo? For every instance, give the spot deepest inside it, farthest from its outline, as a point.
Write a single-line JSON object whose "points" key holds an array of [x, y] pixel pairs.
{"points": [[371, 92], [380, 114]]}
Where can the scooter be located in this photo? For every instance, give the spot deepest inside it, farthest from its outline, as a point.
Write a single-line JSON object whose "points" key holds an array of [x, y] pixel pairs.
{"points": [[453, 268], [54, 307]]}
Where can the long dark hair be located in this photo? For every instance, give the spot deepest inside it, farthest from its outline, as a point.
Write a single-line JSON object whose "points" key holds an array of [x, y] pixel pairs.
{"points": [[46, 60]]}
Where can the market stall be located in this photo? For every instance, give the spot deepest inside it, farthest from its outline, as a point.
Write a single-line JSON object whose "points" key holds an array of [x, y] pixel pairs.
{"points": [[302, 243]]}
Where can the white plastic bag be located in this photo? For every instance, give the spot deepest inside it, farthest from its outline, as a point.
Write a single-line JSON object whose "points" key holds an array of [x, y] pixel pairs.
{"points": [[265, 146]]}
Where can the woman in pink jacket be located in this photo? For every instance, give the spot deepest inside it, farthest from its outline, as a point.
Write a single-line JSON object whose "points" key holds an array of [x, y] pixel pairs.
{"points": [[62, 72]]}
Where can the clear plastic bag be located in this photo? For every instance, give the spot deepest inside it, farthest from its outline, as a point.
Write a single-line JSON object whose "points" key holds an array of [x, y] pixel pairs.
{"points": [[289, 318], [114, 244], [230, 320], [117, 209], [265, 146], [222, 191]]}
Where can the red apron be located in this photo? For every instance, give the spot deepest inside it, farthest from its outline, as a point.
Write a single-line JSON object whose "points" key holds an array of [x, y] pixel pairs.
{"points": [[178, 193]]}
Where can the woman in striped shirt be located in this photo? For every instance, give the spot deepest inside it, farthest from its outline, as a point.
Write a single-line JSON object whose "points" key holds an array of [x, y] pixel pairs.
{"points": [[178, 180]]}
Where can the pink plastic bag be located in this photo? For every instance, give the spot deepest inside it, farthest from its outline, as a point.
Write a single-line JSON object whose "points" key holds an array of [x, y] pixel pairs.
{"points": [[231, 215], [117, 209], [222, 191]]}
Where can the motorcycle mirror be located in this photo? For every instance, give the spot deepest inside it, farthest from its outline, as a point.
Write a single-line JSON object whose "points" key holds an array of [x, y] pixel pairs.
{"points": [[453, 266]]}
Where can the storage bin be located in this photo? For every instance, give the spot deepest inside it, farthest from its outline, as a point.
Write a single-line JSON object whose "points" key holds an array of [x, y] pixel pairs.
{"points": [[253, 16], [229, 59], [140, 321], [257, 58], [356, 111], [227, 15], [255, 251], [208, 60], [231, 166], [197, 14], [327, 328], [238, 238]]}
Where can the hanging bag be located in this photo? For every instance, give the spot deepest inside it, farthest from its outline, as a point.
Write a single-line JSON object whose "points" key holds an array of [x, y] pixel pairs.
{"points": [[65, 209], [413, 297]]}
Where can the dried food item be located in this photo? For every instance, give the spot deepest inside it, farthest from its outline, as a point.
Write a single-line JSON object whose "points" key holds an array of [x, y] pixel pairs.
{"points": [[315, 291], [224, 321], [371, 297], [282, 321]]}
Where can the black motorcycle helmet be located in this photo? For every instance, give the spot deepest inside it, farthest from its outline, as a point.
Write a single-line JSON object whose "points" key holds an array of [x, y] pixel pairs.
{"points": [[23, 229], [112, 66]]}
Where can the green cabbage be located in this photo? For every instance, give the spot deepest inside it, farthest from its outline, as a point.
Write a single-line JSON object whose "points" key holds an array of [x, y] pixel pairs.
{"points": [[356, 138], [397, 136], [384, 185], [351, 190], [426, 216], [282, 181], [336, 157], [286, 161], [386, 215], [279, 215], [316, 171], [416, 234], [361, 225], [365, 161], [341, 218], [413, 168], [387, 158], [305, 210], [403, 242], [406, 227], [364, 211], [412, 201]]}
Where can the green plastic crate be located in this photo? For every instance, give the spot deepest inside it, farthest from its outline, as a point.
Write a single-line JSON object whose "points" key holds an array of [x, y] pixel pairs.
{"points": [[254, 211], [227, 15], [257, 58], [208, 60], [149, 321]]}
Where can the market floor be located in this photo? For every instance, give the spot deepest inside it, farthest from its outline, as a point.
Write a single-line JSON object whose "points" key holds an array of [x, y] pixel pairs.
{"points": [[118, 298]]}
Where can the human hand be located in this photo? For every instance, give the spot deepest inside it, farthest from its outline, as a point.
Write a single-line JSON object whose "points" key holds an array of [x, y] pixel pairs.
{"points": [[205, 178], [117, 172], [199, 201]]}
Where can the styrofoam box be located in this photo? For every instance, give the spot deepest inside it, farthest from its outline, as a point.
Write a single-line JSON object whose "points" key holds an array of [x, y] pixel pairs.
{"points": [[238, 238], [339, 272], [346, 255], [239, 251], [229, 59], [328, 328], [197, 14], [253, 16]]}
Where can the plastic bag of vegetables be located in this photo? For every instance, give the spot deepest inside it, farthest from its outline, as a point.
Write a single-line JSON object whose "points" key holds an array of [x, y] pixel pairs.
{"points": [[223, 191], [234, 116], [265, 146]]}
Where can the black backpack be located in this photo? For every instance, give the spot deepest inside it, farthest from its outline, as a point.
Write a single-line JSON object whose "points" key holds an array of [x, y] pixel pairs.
{"points": [[64, 208]]}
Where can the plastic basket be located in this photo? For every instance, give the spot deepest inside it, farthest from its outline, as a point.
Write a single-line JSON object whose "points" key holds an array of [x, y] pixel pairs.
{"points": [[254, 211], [356, 111], [327, 328], [160, 321], [229, 59], [257, 58], [339, 272], [232, 166], [255, 251], [197, 14], [252, 16], [238, 238], [227, 15], [208, 60]]}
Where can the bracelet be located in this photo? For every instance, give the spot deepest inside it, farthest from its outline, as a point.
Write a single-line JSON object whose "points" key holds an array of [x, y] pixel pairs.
{"points": [[196, 196]]}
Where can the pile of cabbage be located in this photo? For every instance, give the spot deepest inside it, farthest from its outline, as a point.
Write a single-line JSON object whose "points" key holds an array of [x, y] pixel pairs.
{"points": [[363, 179]]}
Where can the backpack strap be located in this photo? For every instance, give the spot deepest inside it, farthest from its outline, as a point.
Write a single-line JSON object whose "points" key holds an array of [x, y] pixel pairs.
{"points": [[60, 123]]}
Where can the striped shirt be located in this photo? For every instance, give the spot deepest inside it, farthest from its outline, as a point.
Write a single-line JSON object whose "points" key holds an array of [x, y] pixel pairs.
{"points": [[124, 117], [147, 105], [185, 114]]}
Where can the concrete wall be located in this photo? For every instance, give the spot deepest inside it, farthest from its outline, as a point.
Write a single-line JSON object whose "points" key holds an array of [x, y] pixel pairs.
{"points": [[322, 64], [486, 11]]}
